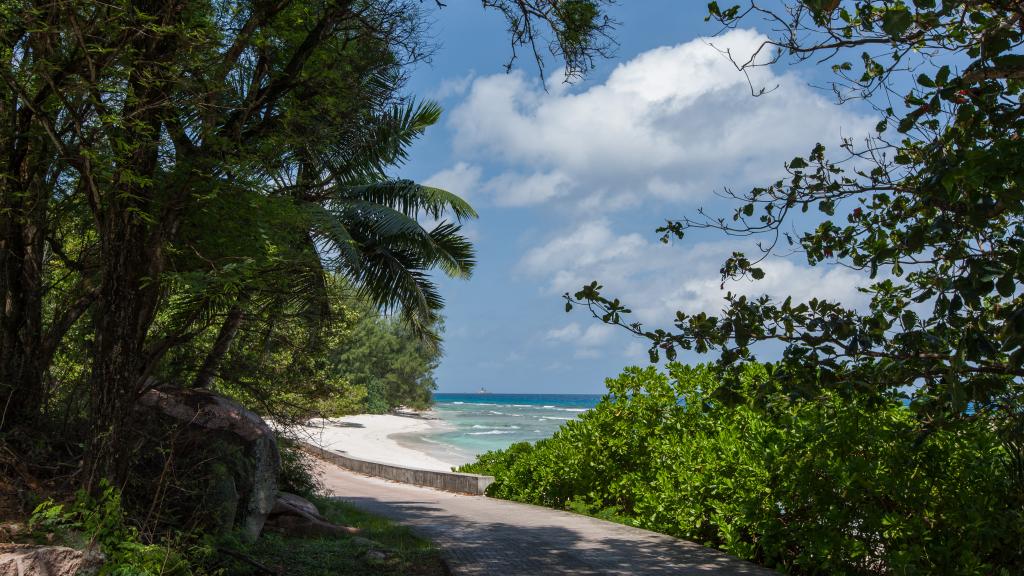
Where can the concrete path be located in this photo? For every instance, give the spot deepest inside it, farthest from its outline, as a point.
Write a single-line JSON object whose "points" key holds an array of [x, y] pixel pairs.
{"points": [[485, 536]]}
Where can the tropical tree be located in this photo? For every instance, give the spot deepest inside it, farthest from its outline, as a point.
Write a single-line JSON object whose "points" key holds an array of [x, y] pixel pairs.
{"points": [[134, 132], [352, 220]]}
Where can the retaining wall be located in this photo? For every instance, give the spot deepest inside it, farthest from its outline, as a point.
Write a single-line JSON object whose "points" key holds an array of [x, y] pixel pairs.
{"points": [[447, 481]]}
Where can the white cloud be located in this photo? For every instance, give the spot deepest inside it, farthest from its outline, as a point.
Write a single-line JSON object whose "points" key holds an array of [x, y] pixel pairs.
{"points": [[674, 123], [515, 189], [453, 86], [587, 341], [566, 333], [462, 179], [656, 280]]}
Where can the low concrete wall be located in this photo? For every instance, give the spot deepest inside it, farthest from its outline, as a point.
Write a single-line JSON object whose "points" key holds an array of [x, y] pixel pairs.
{"points": [[447, 481]]}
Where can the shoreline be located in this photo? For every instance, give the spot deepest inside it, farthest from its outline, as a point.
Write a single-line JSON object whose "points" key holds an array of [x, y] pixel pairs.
{"points": [[387, 438]]}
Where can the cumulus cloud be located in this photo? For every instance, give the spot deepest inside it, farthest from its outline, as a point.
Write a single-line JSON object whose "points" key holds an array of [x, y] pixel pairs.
{"points": [[655, 279], [674, 123]]}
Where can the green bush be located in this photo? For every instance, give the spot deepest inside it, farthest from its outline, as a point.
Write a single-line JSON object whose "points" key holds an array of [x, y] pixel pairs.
{"points": [[100, 520], [833, 485], [296, 475]]}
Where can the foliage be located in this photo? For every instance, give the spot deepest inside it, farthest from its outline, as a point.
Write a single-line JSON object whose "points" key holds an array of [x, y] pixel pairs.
{"points": [[357, 360], [175, 172], [930, 209], [296, 475], [582, 32], [100, 520], [826, 485], [384, 358]]}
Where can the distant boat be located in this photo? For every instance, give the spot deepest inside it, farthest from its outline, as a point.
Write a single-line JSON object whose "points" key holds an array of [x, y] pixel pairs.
{"points": [[483, 390]]}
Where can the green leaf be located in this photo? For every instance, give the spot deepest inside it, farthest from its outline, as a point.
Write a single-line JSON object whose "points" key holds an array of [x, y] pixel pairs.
{"points": [[897, 21], [1005, 285]]}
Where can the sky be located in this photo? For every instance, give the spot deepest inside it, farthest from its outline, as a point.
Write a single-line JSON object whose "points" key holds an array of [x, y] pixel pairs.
{"points": [[571, 183]]}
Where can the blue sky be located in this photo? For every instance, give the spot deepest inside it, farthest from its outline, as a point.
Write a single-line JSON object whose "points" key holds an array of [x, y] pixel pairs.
{"points": [[571, 183]]}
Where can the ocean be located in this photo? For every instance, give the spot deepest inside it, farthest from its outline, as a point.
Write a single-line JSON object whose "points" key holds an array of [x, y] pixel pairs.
{"points": [[476, 423]]}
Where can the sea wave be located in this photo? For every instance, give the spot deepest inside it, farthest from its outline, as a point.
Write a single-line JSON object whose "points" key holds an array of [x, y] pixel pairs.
{"points": [[490, 432], [555, 418]]}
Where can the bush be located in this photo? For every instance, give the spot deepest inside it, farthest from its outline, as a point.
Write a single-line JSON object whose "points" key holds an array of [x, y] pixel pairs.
{"points": [[296, 476], [834, 485], [101, 521]]}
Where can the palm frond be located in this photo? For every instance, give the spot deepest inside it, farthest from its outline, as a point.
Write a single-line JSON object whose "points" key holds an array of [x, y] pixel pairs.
{"points": [[410, 198], [380, 143]]}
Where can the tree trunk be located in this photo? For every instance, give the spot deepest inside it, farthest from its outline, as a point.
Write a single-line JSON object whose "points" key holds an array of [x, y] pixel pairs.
{"points": [[22, 232], [227, 333], [125, 308]]}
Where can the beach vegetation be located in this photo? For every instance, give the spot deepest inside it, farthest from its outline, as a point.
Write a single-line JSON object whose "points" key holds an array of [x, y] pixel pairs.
{"points": [[823, 485], [881, 437]]}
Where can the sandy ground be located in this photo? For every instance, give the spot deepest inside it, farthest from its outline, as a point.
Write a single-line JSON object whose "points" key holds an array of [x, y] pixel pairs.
{"points": [[368, 437]]}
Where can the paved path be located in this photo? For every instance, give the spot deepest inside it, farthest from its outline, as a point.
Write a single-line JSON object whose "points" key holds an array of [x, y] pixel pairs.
{"points": [[485, 536]]}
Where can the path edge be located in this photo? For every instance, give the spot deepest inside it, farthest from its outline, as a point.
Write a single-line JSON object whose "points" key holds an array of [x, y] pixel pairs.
{"points": [[457, 482]]}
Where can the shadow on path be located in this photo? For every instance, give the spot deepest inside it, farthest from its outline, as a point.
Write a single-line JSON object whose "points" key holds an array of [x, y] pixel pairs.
{"points": [[506, 538]]}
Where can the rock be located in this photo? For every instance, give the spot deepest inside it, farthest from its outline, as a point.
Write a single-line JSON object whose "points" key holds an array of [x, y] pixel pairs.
{"points": [[222, 502], [295, 516], [288, 503], [29, 560], [377, 555], [213, 417], [305, 527], [365, 542], [10, 531]]}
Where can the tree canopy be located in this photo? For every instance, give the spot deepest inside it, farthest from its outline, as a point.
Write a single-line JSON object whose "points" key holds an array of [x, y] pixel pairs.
{"points": [[179, 175]]}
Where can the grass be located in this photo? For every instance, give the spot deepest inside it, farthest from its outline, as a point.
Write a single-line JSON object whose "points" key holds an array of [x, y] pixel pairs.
{"points": [[404, 553]]}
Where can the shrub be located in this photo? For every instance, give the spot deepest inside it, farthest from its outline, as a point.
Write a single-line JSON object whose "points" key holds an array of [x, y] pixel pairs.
{"points": [[296, 476], [838, 485], [100, 520]]}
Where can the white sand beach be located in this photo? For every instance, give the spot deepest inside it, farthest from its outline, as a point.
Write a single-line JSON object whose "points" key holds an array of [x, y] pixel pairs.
{"points": [[369, 437]]}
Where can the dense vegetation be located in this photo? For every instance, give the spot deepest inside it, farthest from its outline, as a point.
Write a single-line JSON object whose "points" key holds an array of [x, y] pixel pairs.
{"points": [[828, 485], [886, 438], [384, 547], [183, 178], [184, 182], [359, 361], [199, 197]]}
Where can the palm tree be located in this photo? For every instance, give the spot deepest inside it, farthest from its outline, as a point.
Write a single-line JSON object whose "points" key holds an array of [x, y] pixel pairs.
{"points": [[333, 213]]}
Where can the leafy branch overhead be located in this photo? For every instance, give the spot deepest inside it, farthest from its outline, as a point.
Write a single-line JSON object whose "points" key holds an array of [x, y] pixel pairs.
{"points": [[930, 208], [580, 32]]}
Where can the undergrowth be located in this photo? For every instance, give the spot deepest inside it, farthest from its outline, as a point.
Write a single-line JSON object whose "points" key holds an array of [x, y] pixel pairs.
{"points": [[394, 551]]}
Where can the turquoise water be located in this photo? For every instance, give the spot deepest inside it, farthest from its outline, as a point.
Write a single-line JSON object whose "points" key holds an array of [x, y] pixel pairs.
{"points": [[477, 423]]}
